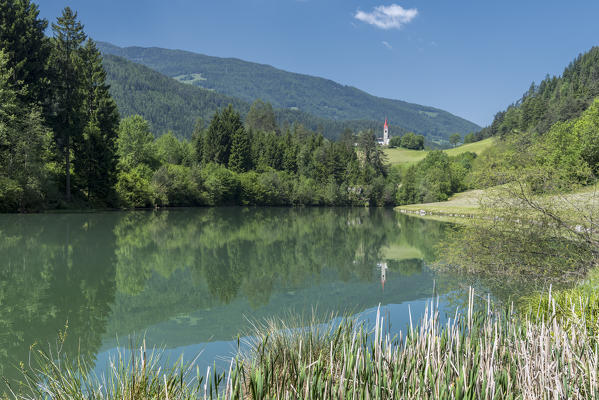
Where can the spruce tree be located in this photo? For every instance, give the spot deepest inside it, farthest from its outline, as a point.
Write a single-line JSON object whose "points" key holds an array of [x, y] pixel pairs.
{"points": [[241, 152], [197, 139], [95, 164], [219, 138], [261, 117], [22, 39], [67, 118]]}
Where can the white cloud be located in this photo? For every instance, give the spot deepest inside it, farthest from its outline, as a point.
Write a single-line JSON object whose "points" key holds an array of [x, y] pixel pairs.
{"points": [[387, 17], [387, 45]]}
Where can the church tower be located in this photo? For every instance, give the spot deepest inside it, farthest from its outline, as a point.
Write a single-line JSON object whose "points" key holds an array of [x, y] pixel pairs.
{"points": [[386, 134]]}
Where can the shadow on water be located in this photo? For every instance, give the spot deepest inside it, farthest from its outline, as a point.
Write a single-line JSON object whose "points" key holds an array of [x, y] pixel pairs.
{"points": [[190, 279]]}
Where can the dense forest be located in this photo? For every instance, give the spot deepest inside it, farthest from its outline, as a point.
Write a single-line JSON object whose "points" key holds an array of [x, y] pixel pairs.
{"points": [[63, 143], [555, 99], [290, 91], [548, 141], [552, 131], [173, 106]]}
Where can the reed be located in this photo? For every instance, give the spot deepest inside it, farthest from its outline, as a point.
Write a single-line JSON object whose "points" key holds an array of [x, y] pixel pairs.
{"points": [[475, 354]]}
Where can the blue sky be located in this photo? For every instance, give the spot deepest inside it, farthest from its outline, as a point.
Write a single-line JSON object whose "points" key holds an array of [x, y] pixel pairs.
{"points": [[471, 58]]}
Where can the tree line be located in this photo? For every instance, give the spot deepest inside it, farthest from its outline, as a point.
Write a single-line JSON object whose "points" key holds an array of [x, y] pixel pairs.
{"points": [[62, 143], [58, 123], [255, 162]]}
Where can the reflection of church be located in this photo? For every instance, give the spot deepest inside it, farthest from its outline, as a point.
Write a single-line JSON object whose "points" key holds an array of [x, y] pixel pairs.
{"points": [[383, 267], [384, 141]]}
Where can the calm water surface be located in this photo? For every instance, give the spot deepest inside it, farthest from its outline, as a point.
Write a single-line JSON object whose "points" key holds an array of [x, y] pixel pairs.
{"points": [[189, 280]]}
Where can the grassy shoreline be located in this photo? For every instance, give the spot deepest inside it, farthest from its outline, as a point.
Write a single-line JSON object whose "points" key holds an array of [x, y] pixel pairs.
{"points": [[475, 354], [467, 204]]}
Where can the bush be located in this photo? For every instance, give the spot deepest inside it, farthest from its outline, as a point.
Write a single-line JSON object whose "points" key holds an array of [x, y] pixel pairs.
{"points": [[134, 187], [305, 192], [220, 186], [174, 185], [412, 141]]}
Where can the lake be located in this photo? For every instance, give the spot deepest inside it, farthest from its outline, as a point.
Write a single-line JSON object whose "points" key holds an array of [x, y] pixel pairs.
{"points": [[192, 280]]}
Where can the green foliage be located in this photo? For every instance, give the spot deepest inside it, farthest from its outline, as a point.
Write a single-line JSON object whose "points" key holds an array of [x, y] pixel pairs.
{"points": [[317, 97], [22, 156], [470, 138], [240, 159], [67, 119], [176, 185], [395, 141], [135, 144], [412, 141], [558, 160], [170, 150], [95, 162], [134, 187], [571, 148], [374, 157], [22, 39], [219, 137], [167, 104], [435, 178], [261, 117], [220, 185], [555, 99], [455, 139]]}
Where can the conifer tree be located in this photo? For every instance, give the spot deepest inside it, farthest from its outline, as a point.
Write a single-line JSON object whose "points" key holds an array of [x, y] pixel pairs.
{"points": [[67, 118], [95, 161], [197, 139], [22, 39], [219, 138], [241, 152], [261, 117]]}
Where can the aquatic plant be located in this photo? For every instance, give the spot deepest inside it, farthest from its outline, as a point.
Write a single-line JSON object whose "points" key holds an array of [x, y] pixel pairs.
{"points": [[474, 354]]}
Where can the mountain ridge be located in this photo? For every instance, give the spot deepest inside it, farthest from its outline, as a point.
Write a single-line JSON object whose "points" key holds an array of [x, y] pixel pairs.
{"points": [[170, 105], [317, 96]]}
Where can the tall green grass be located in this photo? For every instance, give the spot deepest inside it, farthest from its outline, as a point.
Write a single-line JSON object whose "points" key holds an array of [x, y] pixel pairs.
{"points": [[472, 355]]}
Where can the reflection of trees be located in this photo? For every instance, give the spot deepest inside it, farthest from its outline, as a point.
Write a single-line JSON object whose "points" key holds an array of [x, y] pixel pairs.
{"points": [[422, 234], [150, 267], [54, 270], [239, 252]]}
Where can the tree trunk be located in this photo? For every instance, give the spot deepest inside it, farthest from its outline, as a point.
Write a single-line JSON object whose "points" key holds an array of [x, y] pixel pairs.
{"points": [[68, 169]]}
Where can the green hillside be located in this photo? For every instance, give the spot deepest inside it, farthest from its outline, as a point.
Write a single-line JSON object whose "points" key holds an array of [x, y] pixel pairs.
{"points": [[400, 156], [166, 103], [174, 106], [285, 90], [555, 99]]}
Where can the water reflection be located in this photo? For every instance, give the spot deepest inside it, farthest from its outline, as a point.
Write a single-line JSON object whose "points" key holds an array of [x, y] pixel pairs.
{"points": [[186, 277]]}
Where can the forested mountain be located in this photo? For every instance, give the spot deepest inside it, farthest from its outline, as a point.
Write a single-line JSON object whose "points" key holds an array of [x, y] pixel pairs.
{"points": [[555, 99], [174, 106], [166, 103], [285, 90]]}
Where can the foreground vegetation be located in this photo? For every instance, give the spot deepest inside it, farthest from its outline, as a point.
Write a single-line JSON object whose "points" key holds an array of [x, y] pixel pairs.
{"points": [[474, 354]]}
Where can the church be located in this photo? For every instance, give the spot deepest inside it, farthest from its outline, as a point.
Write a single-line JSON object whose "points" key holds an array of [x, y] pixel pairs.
{"points": [[384, 141]]}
